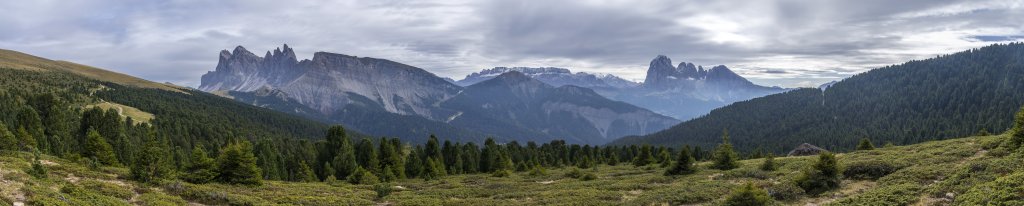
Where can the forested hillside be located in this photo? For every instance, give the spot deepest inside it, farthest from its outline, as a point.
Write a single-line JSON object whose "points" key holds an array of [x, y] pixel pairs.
{"points": [[939, 98]]}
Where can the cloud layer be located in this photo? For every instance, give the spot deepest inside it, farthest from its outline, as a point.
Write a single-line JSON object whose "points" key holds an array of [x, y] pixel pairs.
{"points": [[772, 42]]}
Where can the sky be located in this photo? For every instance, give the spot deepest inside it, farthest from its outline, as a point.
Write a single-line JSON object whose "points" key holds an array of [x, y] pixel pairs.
{"points": [[771, 42]]}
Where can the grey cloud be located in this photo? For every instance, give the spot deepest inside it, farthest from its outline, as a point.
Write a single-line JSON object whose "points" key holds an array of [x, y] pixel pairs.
{"points": [[776, 42]]}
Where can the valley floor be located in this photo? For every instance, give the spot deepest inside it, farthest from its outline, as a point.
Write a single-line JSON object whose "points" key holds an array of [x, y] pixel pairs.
{"points": [[965, 171]]}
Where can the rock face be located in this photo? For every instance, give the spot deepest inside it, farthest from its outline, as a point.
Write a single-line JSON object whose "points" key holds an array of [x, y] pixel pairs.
{"points": [[330, 82], [683, 92], [382, 97], [553, 76], [806, 150]]}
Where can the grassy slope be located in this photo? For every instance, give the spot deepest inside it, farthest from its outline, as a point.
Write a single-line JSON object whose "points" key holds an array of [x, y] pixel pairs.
{"points": [[14, 59], [932, 173]]}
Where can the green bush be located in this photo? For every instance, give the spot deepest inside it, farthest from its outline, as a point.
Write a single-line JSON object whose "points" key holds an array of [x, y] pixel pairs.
{"points": [[748, 195], [1008, 190], [747, 173], [108, 189], [785, 191], [574, 173], [363, 176], [870, 169], [383, 190], [902, 194], [822, 176], [501, 173], [160, 199], [588, 177]]}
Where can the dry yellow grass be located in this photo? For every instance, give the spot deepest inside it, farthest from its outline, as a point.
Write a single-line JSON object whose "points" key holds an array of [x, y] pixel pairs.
{"points": [[125, 111], [18, 60]]}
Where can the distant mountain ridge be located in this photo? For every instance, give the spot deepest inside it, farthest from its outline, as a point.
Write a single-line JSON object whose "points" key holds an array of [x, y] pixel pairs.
{"points": [[553, 76], [383, 97], [682, 92]]}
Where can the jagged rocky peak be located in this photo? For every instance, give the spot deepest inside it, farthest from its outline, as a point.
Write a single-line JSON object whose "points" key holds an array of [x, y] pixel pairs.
{"points": [[661, 74]]}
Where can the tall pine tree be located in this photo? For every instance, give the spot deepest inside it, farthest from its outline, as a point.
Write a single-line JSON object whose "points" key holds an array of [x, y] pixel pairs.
{"points": [[96, 147], [237, 164], [725, 158]]}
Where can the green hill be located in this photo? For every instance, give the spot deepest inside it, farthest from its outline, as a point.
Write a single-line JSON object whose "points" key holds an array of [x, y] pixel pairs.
{"points": [[939, 98]]}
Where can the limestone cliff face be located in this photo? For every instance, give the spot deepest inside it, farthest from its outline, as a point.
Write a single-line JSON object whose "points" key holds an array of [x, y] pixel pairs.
{"points": [[329, 82], [383, 97]]}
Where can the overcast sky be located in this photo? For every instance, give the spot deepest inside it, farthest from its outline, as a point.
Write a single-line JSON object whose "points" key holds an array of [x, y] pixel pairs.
{"points": [[776, 43]]}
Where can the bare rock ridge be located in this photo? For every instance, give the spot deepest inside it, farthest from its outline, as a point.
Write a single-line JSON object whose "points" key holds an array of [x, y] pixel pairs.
{"points": [[355, 90]]}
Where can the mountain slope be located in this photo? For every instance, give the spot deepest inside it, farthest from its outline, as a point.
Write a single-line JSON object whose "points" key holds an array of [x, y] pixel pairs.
{"points": [[682, 92], [943, 97], [573, 113]]}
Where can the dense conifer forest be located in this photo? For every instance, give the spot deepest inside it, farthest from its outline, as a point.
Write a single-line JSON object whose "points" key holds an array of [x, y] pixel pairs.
{"points": [[944, 97]]}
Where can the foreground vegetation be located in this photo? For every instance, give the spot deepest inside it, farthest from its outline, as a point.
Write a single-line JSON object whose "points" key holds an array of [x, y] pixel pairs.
{"points": [[965, 171]]}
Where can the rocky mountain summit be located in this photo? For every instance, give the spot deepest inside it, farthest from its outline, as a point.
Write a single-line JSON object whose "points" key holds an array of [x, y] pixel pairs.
{"points": [[363, 92]]}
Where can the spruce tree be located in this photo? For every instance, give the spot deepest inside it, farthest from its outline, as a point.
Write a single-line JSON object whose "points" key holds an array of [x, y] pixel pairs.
{"points": [[664, 158], [413, 165], [366, 156], [683, 164], [345, 162], [201, 170], [7, 139], [26, 142], [237, 165], [34, 135], [306, 173], [391, 158], [769, 163], [329, 172], [865, 144], [725, 158], [822, 176], [433, 169], [1017, 140], [153, 163], [97, 147], [644, 157], [613, 160]]}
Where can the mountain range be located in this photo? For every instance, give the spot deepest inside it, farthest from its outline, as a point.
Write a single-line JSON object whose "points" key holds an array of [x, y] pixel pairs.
{"points": [[682, 92], [383, 97]]}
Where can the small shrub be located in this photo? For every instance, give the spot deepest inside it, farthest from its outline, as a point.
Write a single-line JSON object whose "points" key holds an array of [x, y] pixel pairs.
{"points": [[574, 173], [383, 190], [822, 176], [160, 199], [501, 173], [871, 169], [747, 173], [902, 194], [362, 176], [537, 171], [588, 177], [769, 164], [108, 189], [1008, 190], [748, 195], [785, 191]]}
